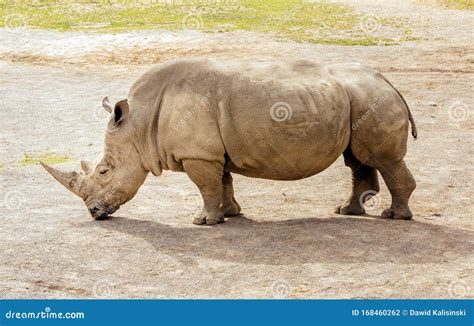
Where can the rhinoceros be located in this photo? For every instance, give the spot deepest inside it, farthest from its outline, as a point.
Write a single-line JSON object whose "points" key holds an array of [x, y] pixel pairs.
{"points": [[270, 120]]}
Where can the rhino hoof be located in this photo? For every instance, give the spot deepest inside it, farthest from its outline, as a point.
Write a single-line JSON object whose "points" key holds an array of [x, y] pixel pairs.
{"points": [[199, 220], [405, 214], [231, 209], [349, 210], [204, 218]]}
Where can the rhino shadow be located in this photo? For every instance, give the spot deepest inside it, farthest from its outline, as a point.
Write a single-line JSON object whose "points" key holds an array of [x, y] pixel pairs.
{"points": [[308, 240]]}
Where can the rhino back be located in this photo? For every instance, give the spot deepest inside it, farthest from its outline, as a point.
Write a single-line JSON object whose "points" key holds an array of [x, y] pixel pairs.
{"points": [[284, 121], [275, 121]]}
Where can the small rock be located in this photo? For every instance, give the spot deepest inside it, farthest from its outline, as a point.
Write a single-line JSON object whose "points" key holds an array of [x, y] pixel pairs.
{"points": [[433, 104]]}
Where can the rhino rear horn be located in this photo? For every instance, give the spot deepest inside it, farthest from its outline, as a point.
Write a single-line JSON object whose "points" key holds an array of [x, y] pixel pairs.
{"points": [[86, 166], [70, 180]]}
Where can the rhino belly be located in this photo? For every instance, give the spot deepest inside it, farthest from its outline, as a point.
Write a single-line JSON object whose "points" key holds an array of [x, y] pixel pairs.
{"points": [[266, 144], [287, 156]]}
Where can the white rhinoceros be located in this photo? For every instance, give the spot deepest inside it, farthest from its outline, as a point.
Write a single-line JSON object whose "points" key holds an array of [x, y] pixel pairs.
{"points": [[280, 121]]}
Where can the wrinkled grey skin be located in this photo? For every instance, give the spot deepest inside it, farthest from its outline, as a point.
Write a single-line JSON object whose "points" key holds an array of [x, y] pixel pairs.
{"points": [[280, 121]]}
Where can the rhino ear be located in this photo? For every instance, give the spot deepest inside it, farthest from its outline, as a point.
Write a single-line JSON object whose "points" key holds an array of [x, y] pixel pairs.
{"points": [[120, 112]]}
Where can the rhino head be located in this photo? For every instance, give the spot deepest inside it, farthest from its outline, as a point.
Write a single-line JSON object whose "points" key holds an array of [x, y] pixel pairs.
{"points": [[117, 176]]}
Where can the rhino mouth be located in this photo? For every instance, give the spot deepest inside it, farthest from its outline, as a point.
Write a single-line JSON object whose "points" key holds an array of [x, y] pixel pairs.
{"points": [[102, 213]]}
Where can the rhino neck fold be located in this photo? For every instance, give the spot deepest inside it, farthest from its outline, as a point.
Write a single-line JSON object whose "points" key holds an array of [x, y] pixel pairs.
{"points": [[149, 156], [152, 165], [147, 141]]}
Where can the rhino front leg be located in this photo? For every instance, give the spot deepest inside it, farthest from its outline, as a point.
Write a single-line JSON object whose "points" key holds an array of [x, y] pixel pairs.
{"points": [[229, 206], [208, 178]]}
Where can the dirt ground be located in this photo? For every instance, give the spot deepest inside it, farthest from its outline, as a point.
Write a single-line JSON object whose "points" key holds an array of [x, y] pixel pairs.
{"points": [[287, 243]]}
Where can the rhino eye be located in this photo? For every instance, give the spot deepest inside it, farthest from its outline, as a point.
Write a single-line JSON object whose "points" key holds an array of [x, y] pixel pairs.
{"points": [[103, 170]]}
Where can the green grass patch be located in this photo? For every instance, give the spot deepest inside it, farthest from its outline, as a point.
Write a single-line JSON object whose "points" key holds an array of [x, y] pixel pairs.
{"points": [[454, 4], [48, 158], [299, 20]]}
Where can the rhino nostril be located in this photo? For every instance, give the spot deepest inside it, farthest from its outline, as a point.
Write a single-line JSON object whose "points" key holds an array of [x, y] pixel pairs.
{"points": [[93, 210]]}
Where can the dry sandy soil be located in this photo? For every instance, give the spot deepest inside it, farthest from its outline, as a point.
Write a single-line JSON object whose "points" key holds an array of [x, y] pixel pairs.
{"points": [[287, 243]]}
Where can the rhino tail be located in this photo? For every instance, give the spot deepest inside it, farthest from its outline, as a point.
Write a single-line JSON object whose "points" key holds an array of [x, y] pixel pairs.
{"points": [[410, 116]]}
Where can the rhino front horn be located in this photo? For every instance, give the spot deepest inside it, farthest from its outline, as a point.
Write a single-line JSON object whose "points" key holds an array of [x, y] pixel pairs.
{"points": [[70, 180]]}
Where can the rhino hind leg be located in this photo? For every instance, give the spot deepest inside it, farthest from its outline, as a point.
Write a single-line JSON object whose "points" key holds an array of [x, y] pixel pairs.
{"points": [[400, 183], [365, 185], [208, 178], [229, 205]]}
